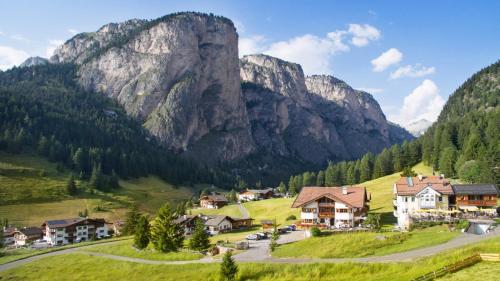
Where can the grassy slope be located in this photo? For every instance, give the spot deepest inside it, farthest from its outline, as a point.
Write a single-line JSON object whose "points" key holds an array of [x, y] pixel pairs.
{"points": [[84, 267], [278, 209], [229, 210], [480, 271], [32, 190], [365, 244], [125, 249]]}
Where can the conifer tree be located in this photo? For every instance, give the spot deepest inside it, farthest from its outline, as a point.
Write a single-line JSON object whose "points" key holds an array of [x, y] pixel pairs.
{"points": [[228, 268], [132, 220], [200, 241], [320, 179], [142, 233], [71, 186], [166, 235]]}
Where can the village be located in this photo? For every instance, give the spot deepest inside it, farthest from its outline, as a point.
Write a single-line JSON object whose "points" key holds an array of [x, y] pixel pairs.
{"points": [[419, 201]]}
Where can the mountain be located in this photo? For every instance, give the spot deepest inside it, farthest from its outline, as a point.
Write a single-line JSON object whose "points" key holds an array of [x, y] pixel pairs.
{"points": [[180, 76], [465, 140], [418, 127], [34, 61]]}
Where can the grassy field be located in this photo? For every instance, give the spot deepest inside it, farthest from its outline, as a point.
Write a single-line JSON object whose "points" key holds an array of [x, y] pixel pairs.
{"points": [[480, 271], [21, 253], [229, 210], [272, 209], [365, 244], [33, 190], [80, 266], [125, 248]]}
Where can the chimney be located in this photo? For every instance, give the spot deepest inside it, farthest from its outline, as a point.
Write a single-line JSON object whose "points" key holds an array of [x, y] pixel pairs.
{"points": [[420, 177], [344, 190]]}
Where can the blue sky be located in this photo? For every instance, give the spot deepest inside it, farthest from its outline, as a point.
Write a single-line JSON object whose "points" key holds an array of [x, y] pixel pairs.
{"points": [[410, 56]]}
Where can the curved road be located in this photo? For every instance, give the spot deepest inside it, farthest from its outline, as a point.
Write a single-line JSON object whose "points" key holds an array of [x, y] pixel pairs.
{"points": [[243, 211], [259, 252]]}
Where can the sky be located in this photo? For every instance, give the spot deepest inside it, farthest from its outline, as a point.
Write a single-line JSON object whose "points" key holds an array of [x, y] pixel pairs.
{"points": [[409, 55]]}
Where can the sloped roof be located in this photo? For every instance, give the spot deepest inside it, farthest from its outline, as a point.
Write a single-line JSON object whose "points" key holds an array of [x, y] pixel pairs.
{"points": [[216, 220], [356, 195], [184, 219], [214, 197], [29, 231], [68, 222], [413, 185], [475, 189], [258, 191]]}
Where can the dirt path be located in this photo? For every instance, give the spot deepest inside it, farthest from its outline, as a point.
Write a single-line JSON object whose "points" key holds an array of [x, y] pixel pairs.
{"points": [[243, 211], [259, 253]]}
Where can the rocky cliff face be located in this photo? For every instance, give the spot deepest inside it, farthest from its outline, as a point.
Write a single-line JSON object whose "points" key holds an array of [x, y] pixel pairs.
{"points": [[316, 118], [179, 74], [32, 61]]}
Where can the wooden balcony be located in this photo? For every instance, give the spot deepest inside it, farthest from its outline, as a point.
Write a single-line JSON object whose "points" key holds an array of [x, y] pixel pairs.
{"points": [[326, 214], [478, 203]]}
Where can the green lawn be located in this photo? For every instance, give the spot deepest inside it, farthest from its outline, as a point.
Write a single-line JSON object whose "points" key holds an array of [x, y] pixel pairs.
{"points": [[125, 249], [365, 244], [229, 210], [480, 271], [80, 266], [272, 209], [21, 253]]}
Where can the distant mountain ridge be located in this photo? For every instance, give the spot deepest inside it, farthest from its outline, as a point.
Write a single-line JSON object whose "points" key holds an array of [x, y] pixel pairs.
{"points": [[418, 127], [181, 77]]}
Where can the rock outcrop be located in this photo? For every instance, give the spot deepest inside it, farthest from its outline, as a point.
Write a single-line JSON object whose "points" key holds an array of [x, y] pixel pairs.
{"points": [[179, 74], [32, 61]]}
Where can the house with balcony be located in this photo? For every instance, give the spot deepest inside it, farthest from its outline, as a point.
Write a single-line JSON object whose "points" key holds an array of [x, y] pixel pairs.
{"points": [[474, 198], [255, 194], [8, 235], [65, 231], [214, 201], [327, 207], [26, 235], [415, 197]]}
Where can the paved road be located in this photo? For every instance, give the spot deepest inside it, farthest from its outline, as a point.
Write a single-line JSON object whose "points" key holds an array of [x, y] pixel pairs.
{"points": [[259, 253], [243, 211]]}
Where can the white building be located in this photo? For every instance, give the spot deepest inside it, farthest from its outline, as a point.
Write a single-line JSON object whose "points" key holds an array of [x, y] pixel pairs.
{"points": [[216, 224], [415, 196], [26, 235], [326, 207], [60, 232], [255, 194]]}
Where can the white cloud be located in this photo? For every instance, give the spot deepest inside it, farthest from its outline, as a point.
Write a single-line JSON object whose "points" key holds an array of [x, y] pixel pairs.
{"points": [[251, 45], [1, 33], [10, 57], [386, 59], [313, 53], [423, 103], [412, 71], [371, 90], [362, 34], [72, 31], [53, 45]]}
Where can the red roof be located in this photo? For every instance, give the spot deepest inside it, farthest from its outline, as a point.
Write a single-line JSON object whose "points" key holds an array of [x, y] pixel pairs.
{"points": [[413, 185], [356, 195]]}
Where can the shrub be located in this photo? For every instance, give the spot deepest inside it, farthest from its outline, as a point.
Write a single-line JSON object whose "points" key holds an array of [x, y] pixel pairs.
{"points": [[463, 224], [315, 232], [291, 218]]}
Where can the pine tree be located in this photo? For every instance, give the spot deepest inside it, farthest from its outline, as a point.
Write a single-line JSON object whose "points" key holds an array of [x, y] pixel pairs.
{"points": [[275, 235], [166, 235], [320, 179], [228, 268], [408, 172], [282, 187], [366, 168], [71, 186], [292, 189], [132, 220], [447, 161], [330, 175], [200, 241], [142, 233], [97, 180]]}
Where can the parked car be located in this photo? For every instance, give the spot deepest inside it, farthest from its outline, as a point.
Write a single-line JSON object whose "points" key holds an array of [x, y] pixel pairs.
{"points": [[284, 230], [253, 237], [262, 235], [292, 227]]}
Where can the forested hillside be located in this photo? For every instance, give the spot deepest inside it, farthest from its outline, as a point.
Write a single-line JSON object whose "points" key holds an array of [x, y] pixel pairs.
{"points": [[43, 110], [465, 141]]}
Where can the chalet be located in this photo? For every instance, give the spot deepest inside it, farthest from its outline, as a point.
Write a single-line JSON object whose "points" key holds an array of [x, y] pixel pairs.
{"points": [[214, 201], [267, 225], [216, 224], [242, 223], [26, 235], [475, 197], [255, 194], [327, 207], [60, 232], [187, 222], [8, 235], [421, 194]]}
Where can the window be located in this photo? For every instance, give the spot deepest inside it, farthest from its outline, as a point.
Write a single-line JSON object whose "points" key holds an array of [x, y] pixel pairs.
{"points": [[309, 210], [405, 199], [343, 210], [440, 199], [325, 200], [413, 199], [308, 221]]}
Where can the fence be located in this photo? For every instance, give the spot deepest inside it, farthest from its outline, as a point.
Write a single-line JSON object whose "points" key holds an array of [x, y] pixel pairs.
{"points": [[458, 266]]}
